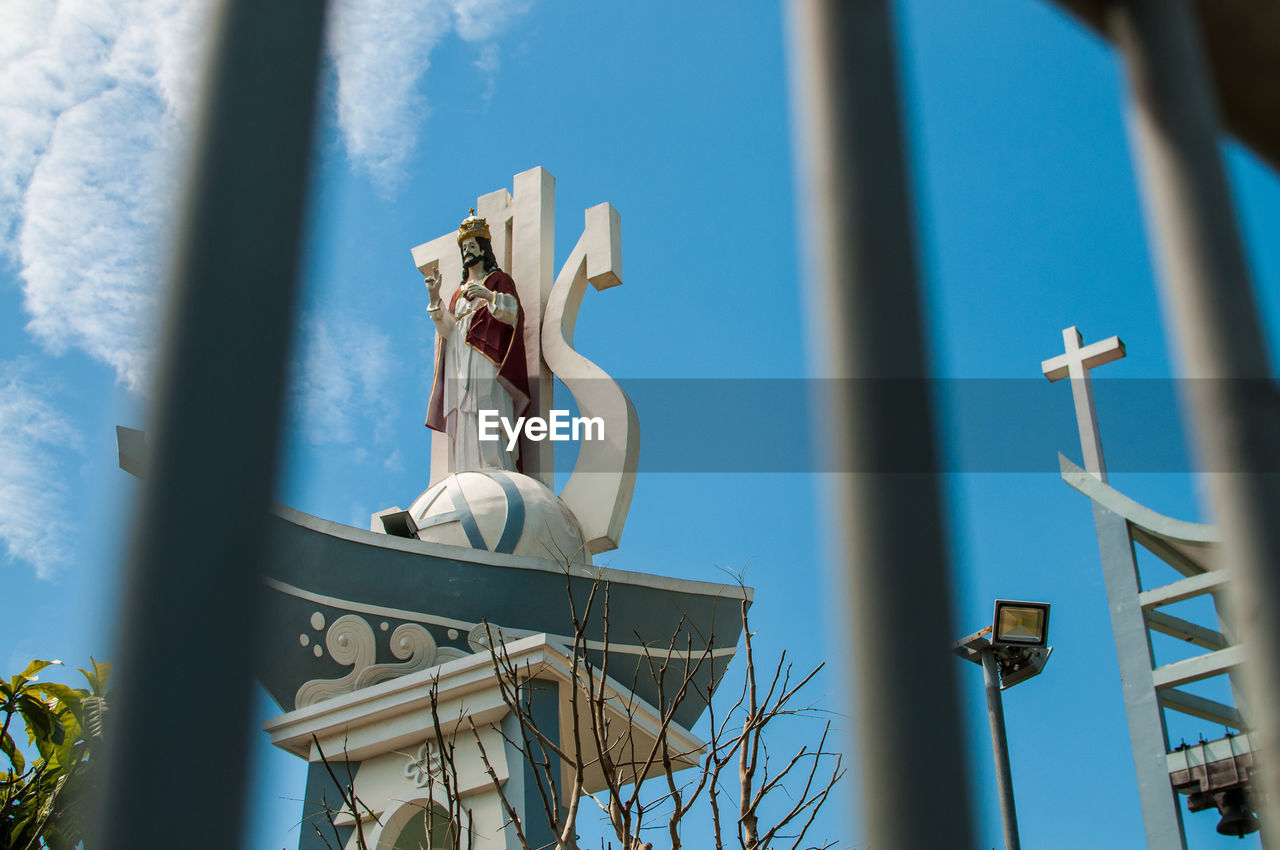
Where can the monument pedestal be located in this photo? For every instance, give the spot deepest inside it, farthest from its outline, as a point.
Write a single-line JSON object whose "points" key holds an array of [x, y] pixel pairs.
{"points": [[385, 742]]}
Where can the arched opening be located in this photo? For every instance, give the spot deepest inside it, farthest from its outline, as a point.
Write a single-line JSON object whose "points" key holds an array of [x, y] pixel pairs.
{"points": [[419, 825]]}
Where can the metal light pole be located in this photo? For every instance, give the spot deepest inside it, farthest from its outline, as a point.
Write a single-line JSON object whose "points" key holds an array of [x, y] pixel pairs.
{"points": [[1000, 747], [1011, 650]]}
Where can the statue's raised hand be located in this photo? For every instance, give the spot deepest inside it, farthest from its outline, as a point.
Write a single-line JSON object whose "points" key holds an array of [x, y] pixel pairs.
{"points": [[433, 286]]}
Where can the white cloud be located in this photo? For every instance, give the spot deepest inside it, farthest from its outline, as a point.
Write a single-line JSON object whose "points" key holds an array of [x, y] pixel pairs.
{"points": [[482, 20], [488, 62], [342, 378], [93, 95], [95, 98], [33, 495], [90, 281], [380, 51]]}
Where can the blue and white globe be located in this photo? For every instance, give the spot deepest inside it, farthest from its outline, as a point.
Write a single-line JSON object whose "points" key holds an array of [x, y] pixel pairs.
{"points": [[500, 511]]}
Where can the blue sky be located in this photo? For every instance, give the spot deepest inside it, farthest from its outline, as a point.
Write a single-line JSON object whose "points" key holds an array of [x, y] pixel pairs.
{"points": [[676, 114]]}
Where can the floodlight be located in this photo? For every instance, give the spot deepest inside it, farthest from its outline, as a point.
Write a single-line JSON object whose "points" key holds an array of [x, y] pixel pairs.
{"points": [[396, 522], [1011, 650], [1020, 623]]}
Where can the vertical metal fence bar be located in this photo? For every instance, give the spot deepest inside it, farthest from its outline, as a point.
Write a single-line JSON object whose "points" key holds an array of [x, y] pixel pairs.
{"points": [[176, 768], [1205, 284], [856, 218]]}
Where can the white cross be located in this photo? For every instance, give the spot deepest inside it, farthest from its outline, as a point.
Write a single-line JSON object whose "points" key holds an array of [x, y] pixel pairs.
{"points": [[1075, 364]]}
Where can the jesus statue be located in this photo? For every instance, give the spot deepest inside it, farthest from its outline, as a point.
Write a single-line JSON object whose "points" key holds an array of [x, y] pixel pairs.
{"points": [[480, 359]]}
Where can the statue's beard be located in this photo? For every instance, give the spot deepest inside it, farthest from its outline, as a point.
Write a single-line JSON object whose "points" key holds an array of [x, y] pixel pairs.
{"points": [[471, 259]]}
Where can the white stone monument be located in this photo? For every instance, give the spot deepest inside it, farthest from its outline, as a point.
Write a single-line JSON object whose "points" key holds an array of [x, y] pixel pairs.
{"points": [[381, 648], [473, 507]]}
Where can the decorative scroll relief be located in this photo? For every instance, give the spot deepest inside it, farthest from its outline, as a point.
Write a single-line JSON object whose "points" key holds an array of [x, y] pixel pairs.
{"points": [[413, 645], [479, 635], [351, 642]]}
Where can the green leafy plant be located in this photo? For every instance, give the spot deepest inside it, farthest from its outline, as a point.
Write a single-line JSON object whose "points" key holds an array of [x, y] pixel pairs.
{"points": [[38, 798]]}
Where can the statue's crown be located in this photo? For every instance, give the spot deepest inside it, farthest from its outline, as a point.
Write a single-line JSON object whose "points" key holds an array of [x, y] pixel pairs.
{"points": [[472, 226]]}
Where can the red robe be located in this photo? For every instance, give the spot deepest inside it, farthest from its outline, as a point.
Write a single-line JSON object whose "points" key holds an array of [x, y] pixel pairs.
{"points": [[502, 344]]}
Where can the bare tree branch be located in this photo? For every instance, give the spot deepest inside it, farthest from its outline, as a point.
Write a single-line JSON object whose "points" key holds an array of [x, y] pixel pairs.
{"points": [[606, 739]]}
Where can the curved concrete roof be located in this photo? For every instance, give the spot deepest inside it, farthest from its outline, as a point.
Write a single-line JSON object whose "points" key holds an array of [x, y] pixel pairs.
{"points": [[1189, 547], [321, 572]]}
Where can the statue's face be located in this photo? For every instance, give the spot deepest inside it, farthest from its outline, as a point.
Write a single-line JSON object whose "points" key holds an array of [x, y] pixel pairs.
{"points": [[471, 253]]}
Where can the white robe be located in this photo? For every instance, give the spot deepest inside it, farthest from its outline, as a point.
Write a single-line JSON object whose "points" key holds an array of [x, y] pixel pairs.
{"points": [[471, 385]]}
